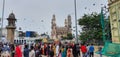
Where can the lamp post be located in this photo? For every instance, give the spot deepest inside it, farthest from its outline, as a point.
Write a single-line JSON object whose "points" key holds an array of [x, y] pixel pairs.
{"points": [[2, 17], [76, 21]]}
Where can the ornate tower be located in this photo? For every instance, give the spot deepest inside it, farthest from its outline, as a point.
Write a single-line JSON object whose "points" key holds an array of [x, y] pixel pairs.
{"points": [[69, 24], [53, 33], [66, 23], [69, 21], [11, 28]]}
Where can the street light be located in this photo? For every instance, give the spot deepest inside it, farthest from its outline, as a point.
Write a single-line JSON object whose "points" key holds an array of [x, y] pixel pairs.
{"points": [[2, 18], [76, 21]]}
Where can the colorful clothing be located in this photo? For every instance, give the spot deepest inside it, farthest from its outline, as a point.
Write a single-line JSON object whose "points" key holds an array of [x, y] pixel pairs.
{"points": [[57, 50], [68, 52], [60, 55], [83, 49], [18, 52], [64, 52]]}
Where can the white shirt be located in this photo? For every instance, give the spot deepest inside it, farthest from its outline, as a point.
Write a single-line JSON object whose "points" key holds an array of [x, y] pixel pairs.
{"points": [[57, 49], [88, 48], [32, 53]]}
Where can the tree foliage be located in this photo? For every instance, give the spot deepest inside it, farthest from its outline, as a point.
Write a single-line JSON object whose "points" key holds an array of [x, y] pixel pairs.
{"points": [[68, 37], [91, 27]]}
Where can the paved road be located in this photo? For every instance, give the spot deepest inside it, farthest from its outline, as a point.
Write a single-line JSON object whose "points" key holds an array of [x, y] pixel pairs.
{"points": [[95, 55]]}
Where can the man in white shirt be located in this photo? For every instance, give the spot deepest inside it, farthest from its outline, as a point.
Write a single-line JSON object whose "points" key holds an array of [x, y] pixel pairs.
{"points": [[57, 50], [32, 52]]}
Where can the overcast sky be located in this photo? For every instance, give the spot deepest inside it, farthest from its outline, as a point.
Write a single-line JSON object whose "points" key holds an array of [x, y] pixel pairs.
{"points": [[30, 13]]}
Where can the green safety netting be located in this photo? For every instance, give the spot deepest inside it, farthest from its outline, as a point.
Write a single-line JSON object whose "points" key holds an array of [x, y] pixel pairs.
{"points": [[111, 49]]}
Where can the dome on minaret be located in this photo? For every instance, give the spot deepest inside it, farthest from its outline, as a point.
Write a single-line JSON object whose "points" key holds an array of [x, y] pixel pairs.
{"points": [[12, 16]]}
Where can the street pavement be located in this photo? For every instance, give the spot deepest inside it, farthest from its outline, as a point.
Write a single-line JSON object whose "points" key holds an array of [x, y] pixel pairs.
{"points": [[95, 55]]}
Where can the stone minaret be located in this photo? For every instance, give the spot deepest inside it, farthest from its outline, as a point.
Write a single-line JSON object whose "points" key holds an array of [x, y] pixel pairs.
{"points": [[53, 23], [69, 21], [11, 28], [69, 24], [66, 23]]}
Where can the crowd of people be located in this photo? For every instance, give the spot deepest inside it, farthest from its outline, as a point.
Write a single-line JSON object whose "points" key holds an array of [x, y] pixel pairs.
{"points": [[47, 49]]}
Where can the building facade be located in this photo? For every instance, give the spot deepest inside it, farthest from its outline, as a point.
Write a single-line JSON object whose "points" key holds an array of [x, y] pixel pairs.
{"points": [[59, 32], [114, 10]]}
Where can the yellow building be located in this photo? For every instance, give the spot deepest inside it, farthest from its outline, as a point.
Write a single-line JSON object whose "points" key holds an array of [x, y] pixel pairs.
{"points": [[114, 10]]}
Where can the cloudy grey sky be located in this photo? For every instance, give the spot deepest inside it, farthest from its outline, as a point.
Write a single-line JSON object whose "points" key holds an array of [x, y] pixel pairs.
{"points": [[29, 13]]}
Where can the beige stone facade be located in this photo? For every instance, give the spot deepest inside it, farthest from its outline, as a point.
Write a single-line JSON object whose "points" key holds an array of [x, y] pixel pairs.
{"points": [[59, 32], [11, 28], [114, 10]]}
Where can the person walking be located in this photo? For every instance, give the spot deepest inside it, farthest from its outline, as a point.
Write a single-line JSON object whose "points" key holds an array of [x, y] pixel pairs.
{"points": [[69, 52], [78, 49], [91, 50], [48, 50], [32, 52], [45, 49], [64, 52], [26, 51], [18, 52], [74, 52], [12, 48], [54, 49], [57, 50], [88, 53], [83, 50], [60, 54], [100, 51], [51, 52]]}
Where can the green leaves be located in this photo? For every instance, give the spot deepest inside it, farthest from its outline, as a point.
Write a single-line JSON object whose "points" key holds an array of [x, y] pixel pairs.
{"points": [[68, 37], [91, 27]]}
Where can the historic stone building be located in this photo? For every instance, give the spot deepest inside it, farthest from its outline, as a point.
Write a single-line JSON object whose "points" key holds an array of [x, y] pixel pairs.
{"points": [[114, 10], [59, 32], [11, 28]]}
